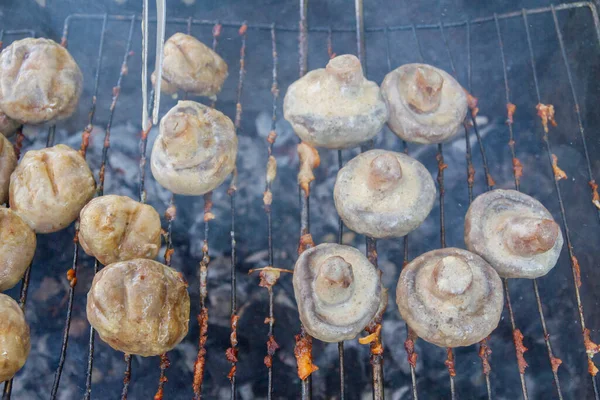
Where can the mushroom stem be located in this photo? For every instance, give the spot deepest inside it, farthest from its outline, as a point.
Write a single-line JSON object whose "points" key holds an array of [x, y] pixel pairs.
{"points": [[333, 284], [452, 276], [526, 236], [385, 172], [347, 69], [422, 89]]}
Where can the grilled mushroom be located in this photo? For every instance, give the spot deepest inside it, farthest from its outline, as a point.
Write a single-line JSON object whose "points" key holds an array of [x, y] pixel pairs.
{"points": [[191, 66], [514, 232], [450, 297], [117, 228], [335, 107], [139, 307], [338, 291], [17, 247], [14, 338], [8, 126], [39, 81], [383, 194], [50, 186], [8, 163], [426, 104], [195, 150]]}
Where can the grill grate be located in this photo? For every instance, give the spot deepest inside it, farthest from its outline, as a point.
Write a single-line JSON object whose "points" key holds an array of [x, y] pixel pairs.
{"points": [[303, 33]]}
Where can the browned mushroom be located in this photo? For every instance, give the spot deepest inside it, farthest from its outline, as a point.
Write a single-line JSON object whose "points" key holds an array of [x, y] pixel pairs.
{"points": [[117, 228], [426, 104], [383, 194], [8, 163], [8, 126], [195, 150], [17, 247], [50, 186], [14, 338], [39, 81], [335, 107], [139, 307], [450, 297], [514, 232], [338, 291], [191, 66]]}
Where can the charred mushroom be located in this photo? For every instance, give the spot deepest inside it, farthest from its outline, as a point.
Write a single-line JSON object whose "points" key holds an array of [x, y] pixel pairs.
{"points": [[117, 228], [514, 232], [50, 186], [383, 194], [195, 150], [139, 307], [450, 297], [14, 338], [191, 66], [8, 163], [8, 126], [39, 81], [338, 291], [17, 246], [335, 107], [426, 104]]}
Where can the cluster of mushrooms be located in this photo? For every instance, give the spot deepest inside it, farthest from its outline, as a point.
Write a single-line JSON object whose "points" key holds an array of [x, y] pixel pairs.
{"points": [[450, 297]]}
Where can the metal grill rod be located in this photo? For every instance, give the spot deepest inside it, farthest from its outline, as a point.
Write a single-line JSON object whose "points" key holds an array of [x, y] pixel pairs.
{"points": [[116, 92], [573, 259], [553, 362]]}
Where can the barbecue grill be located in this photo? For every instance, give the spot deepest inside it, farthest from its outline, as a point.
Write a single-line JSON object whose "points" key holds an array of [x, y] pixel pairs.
{"points": [[543, 347]]}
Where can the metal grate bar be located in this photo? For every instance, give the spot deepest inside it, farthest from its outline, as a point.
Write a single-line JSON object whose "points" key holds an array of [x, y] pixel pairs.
{"points": [[72, 273], [199, 365], [573, 259], [517, 172], [232, 352], [325, 29], [100, 190]]}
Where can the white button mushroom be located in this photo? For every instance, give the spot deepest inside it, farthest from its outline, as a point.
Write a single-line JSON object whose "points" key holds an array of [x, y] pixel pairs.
{"points": [[139, 307], [450, 297], [383, 194], [426, 104], [117, 228], [50, 186], [338, 291], [335, 107], [195, 150], [8, 163], [191, 66], [17, 247], [514, 232], [39, 81], [14, 338]]}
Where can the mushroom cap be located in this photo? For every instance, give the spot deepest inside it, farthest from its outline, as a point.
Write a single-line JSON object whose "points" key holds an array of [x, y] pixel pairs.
{"points": [[14, 338], [450, 297], [426, 104], [8, 163], [338, 291], [191, 66], [139, 307], [117, 228], [195, 150], [514, 232], [17, 247], [50, 186], [8, 126], [39, 81], [335, 107], [383, 194]]}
